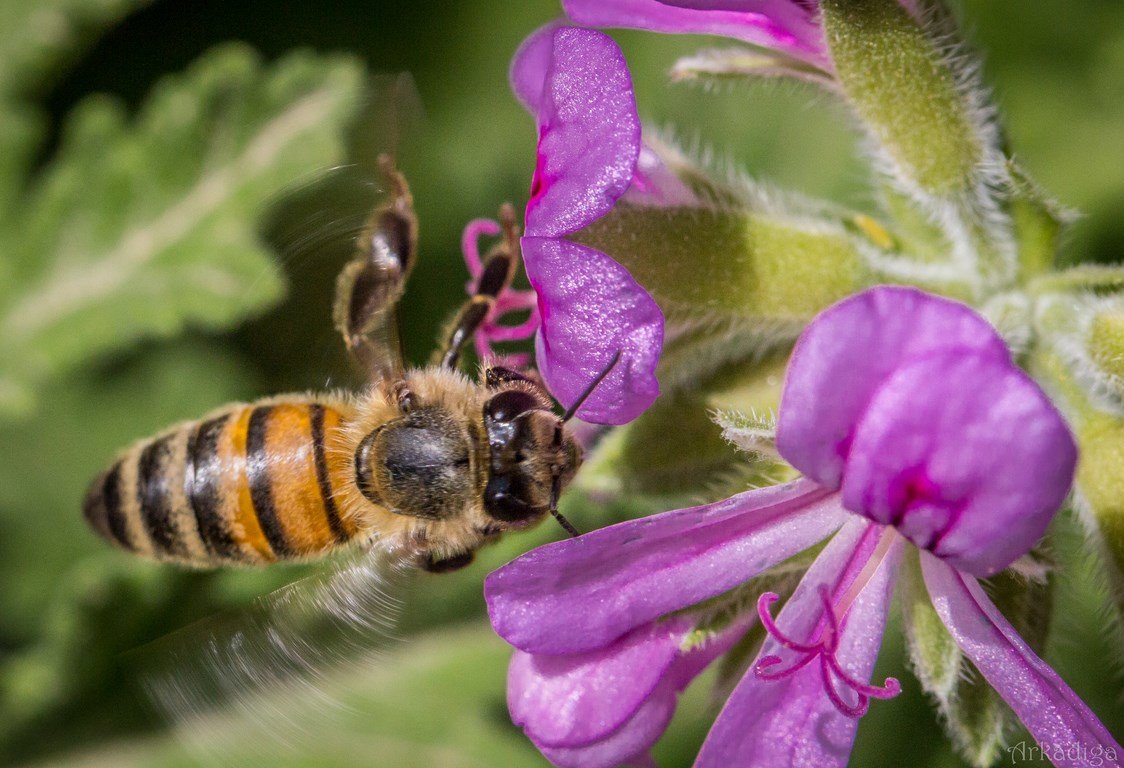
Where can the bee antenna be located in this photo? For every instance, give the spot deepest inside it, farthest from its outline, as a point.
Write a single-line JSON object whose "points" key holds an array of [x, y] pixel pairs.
{"points": [[569, 414], [555, 491]]}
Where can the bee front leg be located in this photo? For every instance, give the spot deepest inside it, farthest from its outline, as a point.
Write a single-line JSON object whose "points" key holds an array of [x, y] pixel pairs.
{"points": [[369, 287], [495, 277]]}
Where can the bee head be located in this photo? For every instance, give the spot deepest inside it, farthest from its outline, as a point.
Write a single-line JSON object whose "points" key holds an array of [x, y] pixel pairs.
{"points": [[533, 456]]}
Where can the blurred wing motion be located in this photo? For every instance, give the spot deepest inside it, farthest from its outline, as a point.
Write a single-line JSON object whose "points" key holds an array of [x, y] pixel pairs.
{"points": [[315, 225], [265, 685]]}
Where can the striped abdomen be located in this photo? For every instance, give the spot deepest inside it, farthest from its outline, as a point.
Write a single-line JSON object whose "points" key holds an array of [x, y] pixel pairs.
{"points": [[251, 485]]}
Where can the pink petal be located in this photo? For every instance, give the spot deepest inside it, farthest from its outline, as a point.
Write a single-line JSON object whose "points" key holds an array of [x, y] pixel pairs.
{"points": [[591, 308], [791, 722], [655, 184], [576, 699], [581, 594], [846, 354], [1050, 710], [597, 696], [530, 64], [782, 25], [965, 456], [589, 133], [629, 743]]}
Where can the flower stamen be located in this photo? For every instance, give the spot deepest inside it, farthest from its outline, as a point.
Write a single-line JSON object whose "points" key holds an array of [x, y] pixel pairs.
{"points": [[823, 649], [507, 302]]}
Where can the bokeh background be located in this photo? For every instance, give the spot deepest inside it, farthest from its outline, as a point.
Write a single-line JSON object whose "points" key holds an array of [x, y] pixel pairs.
{"points": [[70, 607]]}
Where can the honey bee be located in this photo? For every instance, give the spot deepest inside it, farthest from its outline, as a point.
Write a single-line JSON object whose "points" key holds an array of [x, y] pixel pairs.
{"points": [[426, 462]]}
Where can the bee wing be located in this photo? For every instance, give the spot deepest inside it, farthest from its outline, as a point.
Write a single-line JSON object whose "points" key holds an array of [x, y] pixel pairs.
{"points": [[266, 684]]}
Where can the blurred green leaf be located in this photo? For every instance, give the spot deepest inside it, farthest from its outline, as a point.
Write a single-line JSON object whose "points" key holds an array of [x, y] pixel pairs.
{"points": [[49, 460], [20, 131], [38, 38], [435, 701], [136, 229]]}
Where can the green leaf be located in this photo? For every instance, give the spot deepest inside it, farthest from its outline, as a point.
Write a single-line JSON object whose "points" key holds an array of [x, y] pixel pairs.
{"points": [[59, 452], [38, 38], [139, 228], [20, 133]]}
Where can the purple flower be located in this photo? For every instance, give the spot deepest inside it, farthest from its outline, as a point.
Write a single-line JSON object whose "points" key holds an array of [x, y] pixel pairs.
{"points": [[914, 429], [577, 85], [788, 26]]}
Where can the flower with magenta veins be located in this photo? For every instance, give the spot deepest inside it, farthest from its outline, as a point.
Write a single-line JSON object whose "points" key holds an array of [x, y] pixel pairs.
{"points": [[918, 437], [587, 307]]}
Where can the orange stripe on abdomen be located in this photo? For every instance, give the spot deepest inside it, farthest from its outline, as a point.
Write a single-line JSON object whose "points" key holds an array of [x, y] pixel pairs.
{"points": [[339, 470], [294, 489], [236, 487]]}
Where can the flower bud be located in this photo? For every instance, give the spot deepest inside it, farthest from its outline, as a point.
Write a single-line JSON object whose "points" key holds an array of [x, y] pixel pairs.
{"points": [[901, 87]]}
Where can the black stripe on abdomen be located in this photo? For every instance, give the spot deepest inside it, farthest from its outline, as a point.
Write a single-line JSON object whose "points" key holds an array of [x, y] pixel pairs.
{"points": [[114, 514], [257, 475], [330, 510], [154, 496], [202, 487]]}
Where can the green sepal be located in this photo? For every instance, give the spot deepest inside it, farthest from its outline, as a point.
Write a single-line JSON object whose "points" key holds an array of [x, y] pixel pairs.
{"points": [[934, 655], [1099, 484], [1106, 345], [717, 65], [903, 90], [673, 449], [1088, 278], [1036, 221], [753, 433], [1100, 481], [731, 265], [733, 282]]}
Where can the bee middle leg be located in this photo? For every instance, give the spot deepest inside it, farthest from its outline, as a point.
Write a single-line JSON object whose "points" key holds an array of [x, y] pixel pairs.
{"points": [[498, 271], [369, 287], [445, 565]]}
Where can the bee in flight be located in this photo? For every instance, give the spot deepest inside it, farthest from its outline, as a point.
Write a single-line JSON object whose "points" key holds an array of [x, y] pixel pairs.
{"points": [[427, 462]]}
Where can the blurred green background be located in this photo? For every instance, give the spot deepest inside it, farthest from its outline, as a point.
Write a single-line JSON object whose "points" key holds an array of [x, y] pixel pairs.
{"points": [[70, 606]]}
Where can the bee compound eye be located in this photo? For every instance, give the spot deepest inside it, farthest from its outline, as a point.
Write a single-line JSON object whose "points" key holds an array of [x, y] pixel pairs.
{"points": [[506, 406]]}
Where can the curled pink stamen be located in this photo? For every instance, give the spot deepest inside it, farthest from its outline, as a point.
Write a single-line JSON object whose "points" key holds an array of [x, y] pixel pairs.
{"points": [[824, 649], [524, 330], [491, 331], [473, 231], [763, 603]]}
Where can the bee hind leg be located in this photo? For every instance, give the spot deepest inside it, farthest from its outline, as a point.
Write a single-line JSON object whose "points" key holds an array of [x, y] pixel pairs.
{"points": [[370, 285]]}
